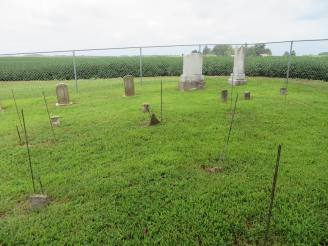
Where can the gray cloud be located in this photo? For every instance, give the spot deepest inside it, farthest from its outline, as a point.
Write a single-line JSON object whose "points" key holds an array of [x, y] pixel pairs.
{"points": [[28, 25]]}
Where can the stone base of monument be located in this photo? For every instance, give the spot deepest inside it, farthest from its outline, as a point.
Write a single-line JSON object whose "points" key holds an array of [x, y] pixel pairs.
{"points": [[283, 91], [237, 79], [188, 83], [55, 121], [38, 201], [63, 104]]}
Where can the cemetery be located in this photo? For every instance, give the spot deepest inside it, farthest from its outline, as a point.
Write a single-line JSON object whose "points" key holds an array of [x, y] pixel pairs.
{"points": [[175, 158]]}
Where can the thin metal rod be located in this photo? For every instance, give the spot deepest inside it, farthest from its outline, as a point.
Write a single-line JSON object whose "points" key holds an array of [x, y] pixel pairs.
{"points": [[140, 64], [28, 151], [161, 100], [232, 119], [46, 104], [17, 111], [289, 62], [231, 93], [230, 130], [19, 136], [157, 46], [74, 69], [41, 186], [274, 182]]}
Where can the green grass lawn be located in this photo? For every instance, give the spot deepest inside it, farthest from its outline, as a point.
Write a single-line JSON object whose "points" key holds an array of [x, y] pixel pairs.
{"points": [[114, 180]]}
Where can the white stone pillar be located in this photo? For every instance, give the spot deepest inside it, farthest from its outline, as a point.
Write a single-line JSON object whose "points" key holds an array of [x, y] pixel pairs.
{"points": [[238, 76]]}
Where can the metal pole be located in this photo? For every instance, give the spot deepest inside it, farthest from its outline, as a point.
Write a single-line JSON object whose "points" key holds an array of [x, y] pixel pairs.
{"points": [[161, 100], [230, 129], [46, 104], [19, 118], [74, 68], [140, 63], [200, 48], [274, 182], [289, 62], [28, 151]]}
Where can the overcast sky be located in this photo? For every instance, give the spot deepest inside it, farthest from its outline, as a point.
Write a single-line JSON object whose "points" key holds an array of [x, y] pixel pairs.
{"points": [[35, 25]]}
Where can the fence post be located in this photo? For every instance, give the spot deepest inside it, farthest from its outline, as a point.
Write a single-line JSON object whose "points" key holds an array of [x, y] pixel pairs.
{"points": [[140, 63], [74, 68], [289, 62]]}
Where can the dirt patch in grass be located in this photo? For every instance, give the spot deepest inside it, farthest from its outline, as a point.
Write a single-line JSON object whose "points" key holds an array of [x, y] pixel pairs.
{"points": [[212, 170]]}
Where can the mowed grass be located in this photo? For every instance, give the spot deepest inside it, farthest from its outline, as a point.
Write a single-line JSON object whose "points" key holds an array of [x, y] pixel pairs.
{"points": [[114, 180]]}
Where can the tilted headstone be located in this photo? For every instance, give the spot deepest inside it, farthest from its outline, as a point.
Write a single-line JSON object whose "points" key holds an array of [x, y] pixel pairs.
{"points": [[192, 76], [238, 76], [153, 120], [62, 95], [128, 85]]}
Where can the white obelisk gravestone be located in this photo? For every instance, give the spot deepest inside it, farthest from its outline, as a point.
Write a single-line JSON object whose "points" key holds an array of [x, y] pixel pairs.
{"points": [[238, 76]]}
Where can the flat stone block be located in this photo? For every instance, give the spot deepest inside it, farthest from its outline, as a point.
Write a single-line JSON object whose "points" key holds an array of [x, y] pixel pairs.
{"points": [[38, 201]]}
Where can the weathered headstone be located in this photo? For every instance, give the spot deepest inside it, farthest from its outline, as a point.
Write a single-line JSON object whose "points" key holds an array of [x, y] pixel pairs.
{"points": [[146, 108], [247, 95], [128, 85], [38, 201], [238, 76], [283, 91], [224, 95], [153, 120], [62, 95], [55, 121], [192, 77]]}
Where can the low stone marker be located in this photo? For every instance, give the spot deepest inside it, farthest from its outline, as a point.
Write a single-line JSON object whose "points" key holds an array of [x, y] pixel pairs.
{"points": [[146, 108], [283, 91], [153, 120], [224, 95], [62, 95], [128, 85], [38, 201], [247, 95], [55, 121]]}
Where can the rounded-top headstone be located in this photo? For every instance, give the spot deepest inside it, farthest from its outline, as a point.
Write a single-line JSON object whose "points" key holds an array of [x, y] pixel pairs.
{"points": [[62, 94], [128, 85]]}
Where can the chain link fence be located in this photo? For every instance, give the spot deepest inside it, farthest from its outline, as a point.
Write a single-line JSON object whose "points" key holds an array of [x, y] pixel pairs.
{"points": [[302, 59]]}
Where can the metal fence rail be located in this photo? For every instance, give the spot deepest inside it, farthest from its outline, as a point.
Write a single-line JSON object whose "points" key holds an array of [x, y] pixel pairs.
{"points": [[305, 59]]}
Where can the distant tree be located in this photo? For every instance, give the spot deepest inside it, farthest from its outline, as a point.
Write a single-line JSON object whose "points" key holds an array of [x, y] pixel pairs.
{"points": [[222, 50], [194, 51], [293, 53], [323, 54], [206, 50], [258, 50]]}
